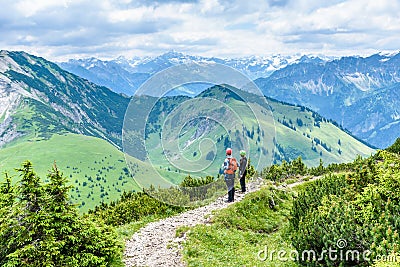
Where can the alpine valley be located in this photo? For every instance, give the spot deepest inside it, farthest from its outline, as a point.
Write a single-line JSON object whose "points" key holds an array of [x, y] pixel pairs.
{"points": [[48, 114]]}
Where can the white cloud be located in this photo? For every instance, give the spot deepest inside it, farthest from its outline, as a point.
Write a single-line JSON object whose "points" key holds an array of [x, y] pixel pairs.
{"points": [[29, 8], [109, 28]]}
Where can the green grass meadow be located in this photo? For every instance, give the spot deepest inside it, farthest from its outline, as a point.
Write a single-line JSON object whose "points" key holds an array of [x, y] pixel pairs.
{"points": [[96, 169]]}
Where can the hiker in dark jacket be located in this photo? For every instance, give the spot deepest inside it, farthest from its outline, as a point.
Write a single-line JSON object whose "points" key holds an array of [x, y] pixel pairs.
{"points": [[230, 166], [243, 170]]}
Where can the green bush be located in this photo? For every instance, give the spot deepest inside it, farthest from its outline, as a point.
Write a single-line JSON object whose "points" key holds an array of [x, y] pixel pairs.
{"points": [[132, 207], [361, 207], [324, 228], [39, 227], [189, 181], [395, 148], [310, 196]]}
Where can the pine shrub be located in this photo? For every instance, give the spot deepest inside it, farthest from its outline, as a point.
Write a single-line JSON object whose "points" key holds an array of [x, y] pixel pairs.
{"points": [[39, 226]]}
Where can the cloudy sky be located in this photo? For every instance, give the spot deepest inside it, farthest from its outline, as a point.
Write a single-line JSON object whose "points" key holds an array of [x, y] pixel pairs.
{"points": [[63, 29]]}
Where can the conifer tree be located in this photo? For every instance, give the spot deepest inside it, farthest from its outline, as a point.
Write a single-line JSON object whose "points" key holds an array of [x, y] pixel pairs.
{"points": [[39, 227], [6, 203], [251, 171]]}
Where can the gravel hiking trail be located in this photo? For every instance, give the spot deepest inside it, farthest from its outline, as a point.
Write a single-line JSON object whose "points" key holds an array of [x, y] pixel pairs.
{"points": [[156, 244]]}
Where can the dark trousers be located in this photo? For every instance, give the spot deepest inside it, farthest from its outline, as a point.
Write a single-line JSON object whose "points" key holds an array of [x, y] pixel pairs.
{"points": [[243, 182], [230, 183]]}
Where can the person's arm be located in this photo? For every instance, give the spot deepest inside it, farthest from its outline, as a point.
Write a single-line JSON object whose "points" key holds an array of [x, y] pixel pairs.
{"points": [[242, 166], [245, 166]]}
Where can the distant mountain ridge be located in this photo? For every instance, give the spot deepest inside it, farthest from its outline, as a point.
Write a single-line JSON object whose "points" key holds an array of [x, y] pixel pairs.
{"points": [[126, 75], [48, 114], [362, 94], [38, 98]]}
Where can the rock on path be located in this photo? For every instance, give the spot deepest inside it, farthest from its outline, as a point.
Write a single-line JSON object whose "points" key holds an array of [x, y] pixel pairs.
{"points": [[156, 243]]}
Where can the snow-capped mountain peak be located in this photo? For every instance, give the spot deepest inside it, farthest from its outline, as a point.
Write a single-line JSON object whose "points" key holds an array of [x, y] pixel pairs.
{"points": [[136, 70]]}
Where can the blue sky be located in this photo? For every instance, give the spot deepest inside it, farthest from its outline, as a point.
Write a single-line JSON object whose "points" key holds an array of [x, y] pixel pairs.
{"points": [[63, 29]]}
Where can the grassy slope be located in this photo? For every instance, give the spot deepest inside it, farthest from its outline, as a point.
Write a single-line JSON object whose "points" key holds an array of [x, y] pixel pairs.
{"points": [[300, 142], [239, 232], [94, 167], [293, 143]]}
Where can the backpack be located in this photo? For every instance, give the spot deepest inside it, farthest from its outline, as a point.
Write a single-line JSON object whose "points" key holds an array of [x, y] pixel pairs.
{"points": [[232, 166]]}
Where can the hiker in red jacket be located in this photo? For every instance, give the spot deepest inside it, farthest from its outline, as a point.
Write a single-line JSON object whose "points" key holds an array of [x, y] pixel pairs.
{"points": [[230, 166]]}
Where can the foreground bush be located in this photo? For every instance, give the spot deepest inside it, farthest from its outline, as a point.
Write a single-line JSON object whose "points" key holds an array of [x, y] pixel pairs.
{"points": [[395, 148], [39, 227], [355, 214], [132, 207]]}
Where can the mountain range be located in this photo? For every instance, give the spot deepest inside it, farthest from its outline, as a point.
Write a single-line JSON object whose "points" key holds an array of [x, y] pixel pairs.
{"points": [[48, 114], [124, 75], [360, 93], [40, 99]]}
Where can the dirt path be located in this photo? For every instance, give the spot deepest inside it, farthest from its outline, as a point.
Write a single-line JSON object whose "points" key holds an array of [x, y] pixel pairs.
{"points": [[156, 244]]}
